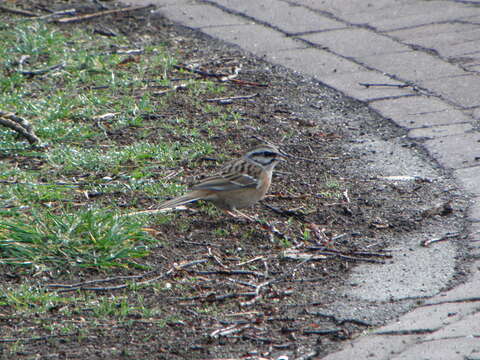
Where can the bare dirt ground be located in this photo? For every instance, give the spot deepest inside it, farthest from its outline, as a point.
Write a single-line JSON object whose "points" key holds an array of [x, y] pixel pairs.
{"points": [[226, 288]]}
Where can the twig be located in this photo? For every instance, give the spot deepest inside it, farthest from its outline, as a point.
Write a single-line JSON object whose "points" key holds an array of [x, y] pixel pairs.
{"points": [[102, 13], [41, 71], [229, 100], [250, 261], [17, 11], [214, 297], [158, 211], [308, 356], [38, 338], [339, 321], [352, 258], [200, 72], [19, 125], [367, 85], [81, 286], [322, 331], [220, 76], [104, 31], [358, 253], [247, 83], [228, 272], [58, 13], [445, 237], [285, 212], [174, 88], [97, 281], [228, 330]]}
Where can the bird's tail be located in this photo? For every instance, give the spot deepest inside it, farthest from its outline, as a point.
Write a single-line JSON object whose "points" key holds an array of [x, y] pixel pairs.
{"points": [[180, 200]]}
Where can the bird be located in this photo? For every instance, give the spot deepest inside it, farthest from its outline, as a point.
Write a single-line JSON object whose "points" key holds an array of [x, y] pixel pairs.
{"points": [[240, 183]]}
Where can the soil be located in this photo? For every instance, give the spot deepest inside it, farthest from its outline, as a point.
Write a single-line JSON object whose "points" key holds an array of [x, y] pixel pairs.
{"points": [[226, 288]]}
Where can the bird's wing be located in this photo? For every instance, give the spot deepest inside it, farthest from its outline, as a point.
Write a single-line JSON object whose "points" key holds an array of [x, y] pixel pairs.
{"points": [[227, 182]]}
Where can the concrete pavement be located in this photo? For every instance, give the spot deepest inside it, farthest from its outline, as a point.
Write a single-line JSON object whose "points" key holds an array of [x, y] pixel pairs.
{"points": [[419, 63]]}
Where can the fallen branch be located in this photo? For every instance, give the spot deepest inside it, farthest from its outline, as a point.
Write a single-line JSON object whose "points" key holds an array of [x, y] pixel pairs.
{"points": [[41, 71], [18, 11], [37, 338], [322, 332], [337, 321], [20, 125], [220, 76], [58, 13], [82, 285], [285, 212], [445, 237], [175, 88], [229, 100], [247, 83], [228, 330], [101, 13], [367, 85]]}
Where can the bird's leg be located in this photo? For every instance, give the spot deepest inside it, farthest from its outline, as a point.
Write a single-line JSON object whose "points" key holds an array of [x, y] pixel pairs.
{"points": [[237, 213], [246, 216]]}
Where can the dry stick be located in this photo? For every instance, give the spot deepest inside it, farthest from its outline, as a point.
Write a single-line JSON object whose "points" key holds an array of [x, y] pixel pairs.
{"points": [[229, 100], [220, 76], [57, 13], [367, 85], [101, 13], [42, 71], [334, 319], [18, 11], [39, 338], [19, 125], [199, 72], [445, 237], [80, 286], [358, 253]]}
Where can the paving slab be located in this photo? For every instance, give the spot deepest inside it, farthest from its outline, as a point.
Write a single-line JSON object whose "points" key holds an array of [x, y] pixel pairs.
{"points": [[439, 131], [381, 86], [461, 90], [469, 179], [355, 42], [255, 38], [281, 15], [457, 42], [411, 35], [197, 16], [341, 7], [314, 62], [444, 349], [469, 291], [374, 347], [398, 279], [474, 245], [412, 65], [474, 211], [418, 13], [469, 326], [456, 151], [429, 318], [419, 111]]}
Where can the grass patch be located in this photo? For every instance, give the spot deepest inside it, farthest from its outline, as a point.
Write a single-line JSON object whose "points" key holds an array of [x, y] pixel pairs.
{"points": [[87, 239], [94, 113]]}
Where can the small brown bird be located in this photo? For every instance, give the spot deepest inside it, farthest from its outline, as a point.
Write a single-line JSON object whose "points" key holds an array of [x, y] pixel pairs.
{"points": [[240, 184]]}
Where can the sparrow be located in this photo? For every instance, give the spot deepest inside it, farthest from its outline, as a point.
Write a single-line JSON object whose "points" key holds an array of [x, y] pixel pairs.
{"points": [[240, 183]]}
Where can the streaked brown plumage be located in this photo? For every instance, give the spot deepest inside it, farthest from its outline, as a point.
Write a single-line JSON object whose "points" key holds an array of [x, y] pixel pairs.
{"points": [[240, 184]]}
